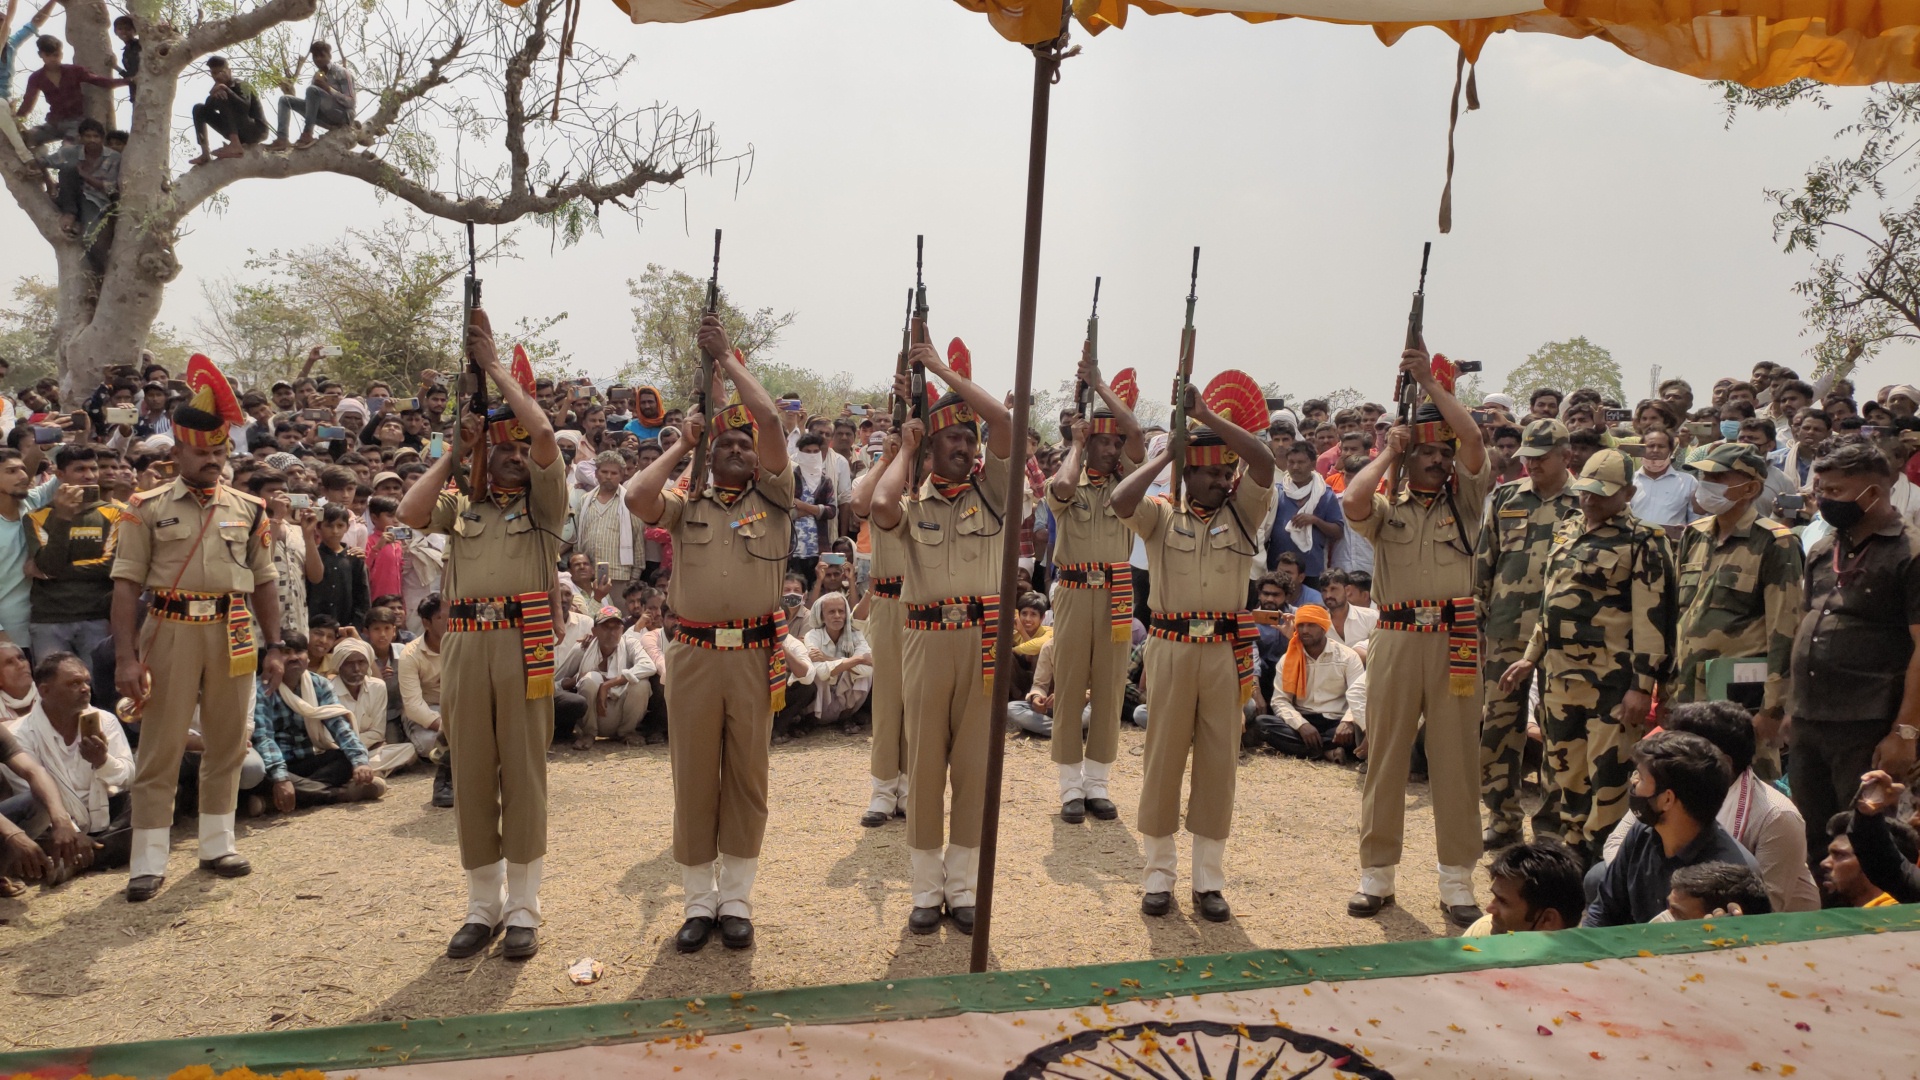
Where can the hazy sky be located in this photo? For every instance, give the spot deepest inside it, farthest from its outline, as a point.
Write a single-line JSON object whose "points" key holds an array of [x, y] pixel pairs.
{"points": [[1593, 195]]}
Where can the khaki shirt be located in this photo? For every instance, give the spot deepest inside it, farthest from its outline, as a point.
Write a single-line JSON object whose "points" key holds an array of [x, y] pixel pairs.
{"points": [[889, 554], [729, 561], [1086, 529], [495, 550], [167, 540], [952, 548], [1420, 552], [1201, 565]]}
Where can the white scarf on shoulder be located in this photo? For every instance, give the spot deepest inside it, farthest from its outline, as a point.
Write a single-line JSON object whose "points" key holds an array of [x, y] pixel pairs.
{"points": [[307, 705], [1305, 498]]}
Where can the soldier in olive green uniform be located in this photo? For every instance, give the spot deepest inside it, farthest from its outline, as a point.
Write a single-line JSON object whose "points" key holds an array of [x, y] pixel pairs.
{"points": [[728, 658], [1199, 664], [1740, 584], [1509, 573], [1604, 643], [890, 754], [950, 529], [497, 675], [1093, 607], [202, 549], [1423, 660]]}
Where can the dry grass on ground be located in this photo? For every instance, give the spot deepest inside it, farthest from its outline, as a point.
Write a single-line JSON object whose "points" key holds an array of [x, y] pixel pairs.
{"points": [[346, 915]]}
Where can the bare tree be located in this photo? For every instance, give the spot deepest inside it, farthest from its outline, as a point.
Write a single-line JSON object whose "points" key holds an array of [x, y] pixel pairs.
{"points": [[475, 73]]}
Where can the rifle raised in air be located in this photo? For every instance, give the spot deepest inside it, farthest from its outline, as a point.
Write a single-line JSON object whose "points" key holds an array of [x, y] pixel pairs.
{"points": [[900, 365], [917, 372], [1183, 378], [697, 481], [1082, 393], [470, 476], [1405, 390]]}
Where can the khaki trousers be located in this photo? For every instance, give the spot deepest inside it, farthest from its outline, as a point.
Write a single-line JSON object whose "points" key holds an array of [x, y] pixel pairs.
{"points": [[886, 625], [719, 726], [946, 707], [189, 664], [1406, 679], [498, 740], [1085, 656], [1193, 704]]}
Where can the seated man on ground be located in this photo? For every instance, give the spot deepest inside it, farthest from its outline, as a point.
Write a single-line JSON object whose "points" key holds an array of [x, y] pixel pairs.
{"points": [[1841, 878], [611, 672], [1679, 781], [842, 662], [305, 737], [1755, 813], [1713, 890], [85, 752], [366, 698], [420, 695], [1320, 696], [1536, 886]]}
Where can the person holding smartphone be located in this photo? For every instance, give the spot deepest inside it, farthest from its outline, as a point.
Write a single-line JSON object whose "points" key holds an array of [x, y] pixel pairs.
{"points": [[69, 558]]}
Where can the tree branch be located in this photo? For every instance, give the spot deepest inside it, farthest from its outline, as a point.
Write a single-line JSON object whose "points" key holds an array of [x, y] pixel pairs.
{"points": [[400, 97], [335, 153], [224, 33], [519, 66]]}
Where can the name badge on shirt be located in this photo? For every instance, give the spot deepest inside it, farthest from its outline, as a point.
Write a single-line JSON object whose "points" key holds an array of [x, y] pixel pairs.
{"points": [[163, 523], [471, 516], [928, 525], [1181, 531]]}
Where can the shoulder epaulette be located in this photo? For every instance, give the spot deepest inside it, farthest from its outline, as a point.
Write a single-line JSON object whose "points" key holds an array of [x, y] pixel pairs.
{"points": [[248, 496], [1773, 526], [148, 495]]}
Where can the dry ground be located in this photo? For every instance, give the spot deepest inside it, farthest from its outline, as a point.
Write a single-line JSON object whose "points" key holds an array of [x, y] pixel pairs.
{"points": [[347, 912]]}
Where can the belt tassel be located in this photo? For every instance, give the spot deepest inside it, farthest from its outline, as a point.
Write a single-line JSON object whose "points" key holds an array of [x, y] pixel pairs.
{"points": [[1463, 648], [1120, 600], [1246, 634], [536, 643], [777, 662], [240, 642], [989, 637]]}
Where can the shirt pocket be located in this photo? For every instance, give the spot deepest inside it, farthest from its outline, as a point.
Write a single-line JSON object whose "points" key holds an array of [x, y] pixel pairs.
{"points": [[972, 527], [1180, 543], [1513, 534], [470, 530], [1735, 589], [929, 547], [1394, 544]]}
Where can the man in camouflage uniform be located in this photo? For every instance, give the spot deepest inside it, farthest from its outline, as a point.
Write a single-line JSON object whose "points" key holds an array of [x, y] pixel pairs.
{"points": [[1604, 641], [1510, 569], [1740, 586]]}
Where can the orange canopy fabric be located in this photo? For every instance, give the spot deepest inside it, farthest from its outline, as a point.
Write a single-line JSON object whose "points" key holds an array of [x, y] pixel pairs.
{"points": [[1753, 42]]}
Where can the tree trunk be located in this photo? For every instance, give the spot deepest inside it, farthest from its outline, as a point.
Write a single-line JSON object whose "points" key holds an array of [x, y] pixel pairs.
{"points": [[105, 320]]}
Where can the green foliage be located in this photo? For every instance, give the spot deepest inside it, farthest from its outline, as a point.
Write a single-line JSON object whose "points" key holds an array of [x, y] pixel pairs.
{"points": [[1858, 215], [1567, 366], [388, 297], [668, 307], [29, 339]]}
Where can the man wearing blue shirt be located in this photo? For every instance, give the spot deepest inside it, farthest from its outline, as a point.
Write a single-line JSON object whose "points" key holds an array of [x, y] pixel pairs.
{"points": [[1307, 518], [18, 498], [305, 737]]}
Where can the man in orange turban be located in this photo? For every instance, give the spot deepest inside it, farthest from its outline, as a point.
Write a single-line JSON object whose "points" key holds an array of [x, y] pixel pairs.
{"points": [[1320, 696]]}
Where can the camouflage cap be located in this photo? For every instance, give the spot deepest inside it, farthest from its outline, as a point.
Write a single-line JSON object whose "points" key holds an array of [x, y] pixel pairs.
{"points": [[1606, 473], [1542, 437], [1731, 457]]}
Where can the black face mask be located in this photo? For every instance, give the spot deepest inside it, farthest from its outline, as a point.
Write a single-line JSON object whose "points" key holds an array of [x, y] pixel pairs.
{"points": [[1642, 807], [1843, 513]]}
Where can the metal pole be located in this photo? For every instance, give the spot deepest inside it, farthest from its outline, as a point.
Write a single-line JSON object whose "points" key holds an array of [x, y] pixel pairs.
{"points": [[1045, 63]]}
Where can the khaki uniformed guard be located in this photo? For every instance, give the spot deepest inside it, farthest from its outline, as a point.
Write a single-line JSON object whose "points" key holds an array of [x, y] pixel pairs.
{"points": [[203, 550], [1423, 660], [951, 527], [1093, 608], [1510, 569], [496, 680], [731, 535], [1604, 643], [886, 617], [1740, 589], [1199, 663]]}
